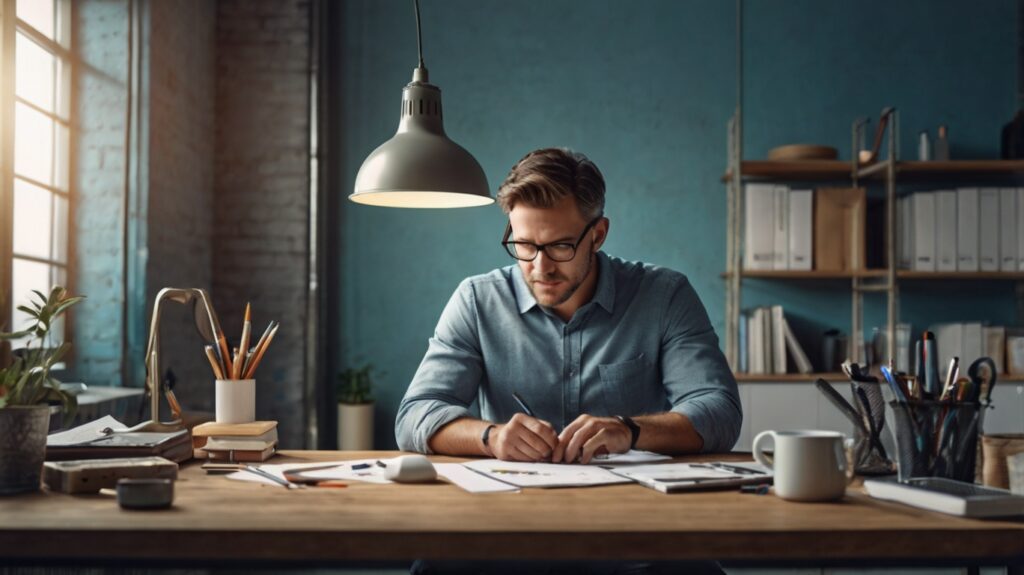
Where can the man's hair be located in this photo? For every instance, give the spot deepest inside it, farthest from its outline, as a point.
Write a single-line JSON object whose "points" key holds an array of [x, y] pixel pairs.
{"points": [[544, 177]]}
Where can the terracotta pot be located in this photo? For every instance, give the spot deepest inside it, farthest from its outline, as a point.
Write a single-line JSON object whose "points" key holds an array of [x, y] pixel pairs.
{"points": [[355, 426], [22, 447]]}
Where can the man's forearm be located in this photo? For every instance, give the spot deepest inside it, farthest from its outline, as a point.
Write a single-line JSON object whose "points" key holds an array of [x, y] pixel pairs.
{"points": [[460, 437], [669, 433]]}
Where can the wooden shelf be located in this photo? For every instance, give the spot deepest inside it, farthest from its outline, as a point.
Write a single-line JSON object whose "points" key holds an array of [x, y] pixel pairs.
{"points": [[837, 170], [830, 377], [909, 171], [911, 275], [809, 274], [901, 274], [821, 170]]}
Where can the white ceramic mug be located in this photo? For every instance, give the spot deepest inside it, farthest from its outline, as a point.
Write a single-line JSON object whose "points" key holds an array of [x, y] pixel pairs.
{"points": [[235, 400], [808, 465]]}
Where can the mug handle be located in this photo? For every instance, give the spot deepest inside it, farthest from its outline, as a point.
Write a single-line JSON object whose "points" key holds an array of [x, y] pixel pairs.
{"points": [[759, 455]]}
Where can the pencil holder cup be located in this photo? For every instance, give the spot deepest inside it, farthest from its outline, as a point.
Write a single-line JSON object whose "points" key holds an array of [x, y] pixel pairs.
{"points": [[235, 400], [937, 439]]}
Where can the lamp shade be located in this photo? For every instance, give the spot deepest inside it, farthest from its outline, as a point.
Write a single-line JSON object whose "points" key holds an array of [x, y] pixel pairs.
{"points": [[420, 167]]}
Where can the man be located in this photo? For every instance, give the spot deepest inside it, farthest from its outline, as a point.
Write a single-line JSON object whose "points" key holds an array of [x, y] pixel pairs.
{"points": [[605, 355]]}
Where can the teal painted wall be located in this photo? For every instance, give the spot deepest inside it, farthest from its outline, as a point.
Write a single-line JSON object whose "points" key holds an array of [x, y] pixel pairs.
{"points": [[645, 89]]}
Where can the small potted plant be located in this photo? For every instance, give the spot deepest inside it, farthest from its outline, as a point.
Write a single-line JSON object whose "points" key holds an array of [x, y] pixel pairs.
{"points": [[27, 390], [355, 408]]}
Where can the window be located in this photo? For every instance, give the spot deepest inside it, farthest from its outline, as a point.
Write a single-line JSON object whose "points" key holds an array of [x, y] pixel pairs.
{"points": [[39, 196]]}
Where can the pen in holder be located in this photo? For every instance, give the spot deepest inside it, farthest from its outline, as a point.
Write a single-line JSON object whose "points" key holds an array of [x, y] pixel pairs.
{"points": [[937, 438], [937, 430], [235, 400]]}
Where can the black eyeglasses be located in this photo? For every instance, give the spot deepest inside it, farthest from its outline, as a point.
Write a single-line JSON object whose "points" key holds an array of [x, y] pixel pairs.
{"points": [[557, 251]]}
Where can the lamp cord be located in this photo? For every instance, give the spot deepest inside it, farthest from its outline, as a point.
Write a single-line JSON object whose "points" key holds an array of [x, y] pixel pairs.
{"points": [[419, 42]]}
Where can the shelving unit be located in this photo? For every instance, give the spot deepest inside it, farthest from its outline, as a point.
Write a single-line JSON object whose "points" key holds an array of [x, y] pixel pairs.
{"points": [[887, 173]]}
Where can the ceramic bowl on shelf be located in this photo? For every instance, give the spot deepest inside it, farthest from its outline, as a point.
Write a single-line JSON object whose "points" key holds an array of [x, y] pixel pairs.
{"points": [[791, 152]]}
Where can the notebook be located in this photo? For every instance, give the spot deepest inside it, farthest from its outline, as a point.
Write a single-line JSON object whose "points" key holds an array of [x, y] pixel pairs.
{"points": [[677, 477]]}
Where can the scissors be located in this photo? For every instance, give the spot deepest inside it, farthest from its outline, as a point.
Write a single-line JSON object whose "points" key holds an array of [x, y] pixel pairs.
{"points": [[977, 378]]}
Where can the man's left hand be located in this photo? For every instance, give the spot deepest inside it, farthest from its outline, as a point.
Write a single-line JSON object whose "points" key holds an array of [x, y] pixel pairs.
{"points": [[589, 436]]}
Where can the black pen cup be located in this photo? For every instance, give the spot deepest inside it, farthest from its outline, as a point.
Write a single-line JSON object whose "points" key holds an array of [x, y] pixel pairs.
{"points": [[937, 439]]}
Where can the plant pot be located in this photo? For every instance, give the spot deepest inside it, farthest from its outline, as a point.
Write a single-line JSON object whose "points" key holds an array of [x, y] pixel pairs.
{"points": [[355, 426], [22, 447]]}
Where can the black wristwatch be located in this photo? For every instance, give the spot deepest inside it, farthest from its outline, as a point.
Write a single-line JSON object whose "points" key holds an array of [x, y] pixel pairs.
{"points": [[633, 428], [486, 437]]}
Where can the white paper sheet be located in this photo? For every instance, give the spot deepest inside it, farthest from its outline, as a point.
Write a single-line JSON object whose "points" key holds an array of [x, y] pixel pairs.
{"points": [[83, 433], [472, 481], [631, 456], [545, 474]]}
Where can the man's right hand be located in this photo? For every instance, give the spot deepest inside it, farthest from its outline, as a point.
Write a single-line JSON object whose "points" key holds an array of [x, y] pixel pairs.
{"points": [[523, 438]]}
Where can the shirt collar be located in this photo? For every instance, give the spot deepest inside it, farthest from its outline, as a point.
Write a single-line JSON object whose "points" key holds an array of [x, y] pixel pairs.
{"points": [[604, 293]]}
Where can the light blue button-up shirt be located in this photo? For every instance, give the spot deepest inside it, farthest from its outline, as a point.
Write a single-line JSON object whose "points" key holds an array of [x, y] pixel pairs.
{"points": [[642, 345]]}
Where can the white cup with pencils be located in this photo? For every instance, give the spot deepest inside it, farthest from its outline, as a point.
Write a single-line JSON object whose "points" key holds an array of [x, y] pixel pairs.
{"points": [[235, 385]]}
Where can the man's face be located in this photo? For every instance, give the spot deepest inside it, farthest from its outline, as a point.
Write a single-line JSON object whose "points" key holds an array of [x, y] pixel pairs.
{"points": [[555, 283]]}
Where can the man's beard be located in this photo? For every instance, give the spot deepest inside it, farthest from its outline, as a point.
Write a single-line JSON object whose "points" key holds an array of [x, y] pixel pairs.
{"points": [[571, 290]]}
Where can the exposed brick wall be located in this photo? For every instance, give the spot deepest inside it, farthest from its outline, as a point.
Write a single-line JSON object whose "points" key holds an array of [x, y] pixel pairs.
{"points": [[262, 182], [100, 31], [180, 167]]}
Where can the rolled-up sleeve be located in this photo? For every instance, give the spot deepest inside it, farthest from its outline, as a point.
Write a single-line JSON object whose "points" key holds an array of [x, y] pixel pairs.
{"points": [[697, 377], [448, 378]]}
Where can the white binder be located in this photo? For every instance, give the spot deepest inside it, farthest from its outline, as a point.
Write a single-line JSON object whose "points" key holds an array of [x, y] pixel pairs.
{"points": [[781, 232], [759, 244], [988, 229], [801, 226], [945, 231], [967, 229], [1008, 229], [924, 231]]}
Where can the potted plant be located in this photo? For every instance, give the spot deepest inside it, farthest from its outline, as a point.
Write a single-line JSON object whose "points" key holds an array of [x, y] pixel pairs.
{"points": [[355, 408], [26, 391]]}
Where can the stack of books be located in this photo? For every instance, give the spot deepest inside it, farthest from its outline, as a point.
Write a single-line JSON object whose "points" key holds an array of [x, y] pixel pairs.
{"points": [[255, 441]]}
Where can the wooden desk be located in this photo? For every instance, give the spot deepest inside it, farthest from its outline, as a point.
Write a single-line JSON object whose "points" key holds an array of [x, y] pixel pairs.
{"points": [[214, 518]]}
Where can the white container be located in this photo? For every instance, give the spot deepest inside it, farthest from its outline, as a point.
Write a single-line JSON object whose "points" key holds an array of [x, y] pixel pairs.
{"points": [[355, 426], [236, 400]]}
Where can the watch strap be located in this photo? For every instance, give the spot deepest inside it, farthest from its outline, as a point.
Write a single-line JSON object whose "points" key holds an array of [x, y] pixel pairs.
{"points": [[634, 429], [485, 437]]}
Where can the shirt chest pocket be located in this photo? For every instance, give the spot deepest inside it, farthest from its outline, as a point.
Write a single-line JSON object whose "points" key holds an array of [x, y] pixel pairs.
{"points": [[626, 385]]}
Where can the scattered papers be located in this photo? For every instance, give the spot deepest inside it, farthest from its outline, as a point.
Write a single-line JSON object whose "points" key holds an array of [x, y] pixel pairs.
{"points": [[472, 481], [545, 474], [343, 470]]}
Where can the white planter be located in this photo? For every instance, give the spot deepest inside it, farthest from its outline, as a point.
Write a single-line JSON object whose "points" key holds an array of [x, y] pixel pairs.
{"points": [[355, 426]]}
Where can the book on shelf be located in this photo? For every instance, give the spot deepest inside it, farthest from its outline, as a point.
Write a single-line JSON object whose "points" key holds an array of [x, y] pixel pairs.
{"points": [[254, 441], [1020, 229], [770, 342]]}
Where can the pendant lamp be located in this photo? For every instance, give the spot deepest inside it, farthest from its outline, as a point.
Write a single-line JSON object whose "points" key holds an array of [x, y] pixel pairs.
{"points": [[420, 167]]}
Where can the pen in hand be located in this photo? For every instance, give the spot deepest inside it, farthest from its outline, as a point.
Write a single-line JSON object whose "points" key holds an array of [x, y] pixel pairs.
{"points": [[522, 404]]}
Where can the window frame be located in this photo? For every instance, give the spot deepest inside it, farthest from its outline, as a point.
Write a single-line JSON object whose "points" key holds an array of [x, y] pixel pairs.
{"points": [[60, 47]]}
